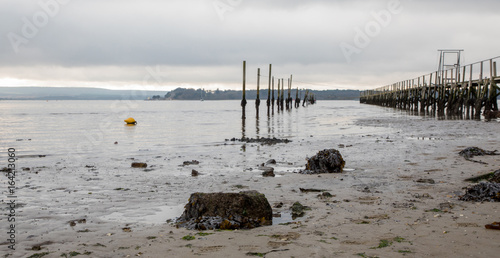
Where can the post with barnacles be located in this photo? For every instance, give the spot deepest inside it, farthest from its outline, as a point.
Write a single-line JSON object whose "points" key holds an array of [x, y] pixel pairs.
{"points": [[272, 98], [297, 99], [290, 100], [282, 93], [288, 103], [269, 91], [257, 101], [243, 99], [287, 100], [278, 100], [305, 98]]}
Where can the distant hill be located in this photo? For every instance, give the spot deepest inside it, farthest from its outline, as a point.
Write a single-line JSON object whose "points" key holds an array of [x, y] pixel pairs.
{"points": [[192, 94], [67, 93]]}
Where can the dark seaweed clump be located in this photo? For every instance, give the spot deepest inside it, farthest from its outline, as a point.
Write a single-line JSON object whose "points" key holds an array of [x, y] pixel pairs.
{"points": [[262, 140], [470, 152], [484, 191]]}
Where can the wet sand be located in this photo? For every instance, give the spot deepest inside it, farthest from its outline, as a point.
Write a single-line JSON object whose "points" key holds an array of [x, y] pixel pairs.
{"points": [[378, 208]]}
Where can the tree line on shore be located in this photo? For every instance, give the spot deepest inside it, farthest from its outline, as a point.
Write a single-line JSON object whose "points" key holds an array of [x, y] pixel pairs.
{"points": [[197, 94]]}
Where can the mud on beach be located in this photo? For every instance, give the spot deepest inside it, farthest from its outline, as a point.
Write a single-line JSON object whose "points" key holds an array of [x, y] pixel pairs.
{"points": [[398, 195]]}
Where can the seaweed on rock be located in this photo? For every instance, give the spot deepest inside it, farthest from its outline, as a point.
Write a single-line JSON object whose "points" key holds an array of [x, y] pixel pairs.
{"points": [[325, 161]]}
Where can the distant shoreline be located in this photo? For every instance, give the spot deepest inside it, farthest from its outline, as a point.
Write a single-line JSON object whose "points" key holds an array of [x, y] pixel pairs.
{"points": [[68, 93]]}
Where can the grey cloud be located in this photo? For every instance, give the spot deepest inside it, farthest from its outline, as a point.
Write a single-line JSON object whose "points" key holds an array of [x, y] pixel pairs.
{"points": [[303, 36]]}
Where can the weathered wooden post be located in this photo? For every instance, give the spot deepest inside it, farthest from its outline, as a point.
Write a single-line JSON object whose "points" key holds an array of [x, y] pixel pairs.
{"points": [[305, 98], [272, 99], [269, 92], [470, 96], [495, 98], [282, 93], [278, 102], [297, 99], [479, 94], [287, 101], [493, 88], [257, 101], [290, 100], [435, 93], [243, 100]]}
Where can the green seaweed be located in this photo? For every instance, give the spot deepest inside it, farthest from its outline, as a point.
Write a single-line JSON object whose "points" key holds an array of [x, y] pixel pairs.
{"points": [[383, 243], [204, 234], [188, 238], [398, 239]]}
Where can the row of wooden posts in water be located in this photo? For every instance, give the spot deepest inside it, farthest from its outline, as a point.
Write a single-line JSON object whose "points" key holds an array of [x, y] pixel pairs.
{"points": [[454, 92], [282, 102]]}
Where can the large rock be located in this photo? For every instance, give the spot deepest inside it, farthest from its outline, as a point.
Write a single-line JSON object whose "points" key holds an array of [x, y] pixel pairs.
{"points": [[325, 161], [243, 210]]}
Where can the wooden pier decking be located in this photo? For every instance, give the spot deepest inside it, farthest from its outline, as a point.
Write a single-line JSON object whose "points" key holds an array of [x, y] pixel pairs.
{"points": [[464, 90]]}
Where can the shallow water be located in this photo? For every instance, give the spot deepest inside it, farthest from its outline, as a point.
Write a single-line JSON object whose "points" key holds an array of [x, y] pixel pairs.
{"points": [[89, 129], [79, 153]]}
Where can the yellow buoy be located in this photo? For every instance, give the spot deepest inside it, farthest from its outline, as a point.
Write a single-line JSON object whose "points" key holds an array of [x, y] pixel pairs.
{"points": [[130, 121]]}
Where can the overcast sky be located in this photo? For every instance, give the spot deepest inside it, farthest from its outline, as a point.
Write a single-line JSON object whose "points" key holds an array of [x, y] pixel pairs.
{"points": [[161, 45]]}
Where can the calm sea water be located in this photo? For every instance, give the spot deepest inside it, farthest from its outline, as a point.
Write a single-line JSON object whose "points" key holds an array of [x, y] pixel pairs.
{"points": [[68, 153], [90, 128]]}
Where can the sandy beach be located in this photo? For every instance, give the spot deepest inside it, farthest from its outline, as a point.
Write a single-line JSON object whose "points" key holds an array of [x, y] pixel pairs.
{"points": [[383, 205]]}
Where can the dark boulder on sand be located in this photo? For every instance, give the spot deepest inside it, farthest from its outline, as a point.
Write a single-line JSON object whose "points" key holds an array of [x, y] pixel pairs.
{"points": [[325, 161], [243, 210]]}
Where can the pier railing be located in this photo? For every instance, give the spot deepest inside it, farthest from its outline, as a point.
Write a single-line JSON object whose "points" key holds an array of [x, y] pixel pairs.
{"points": [[457, 91]]}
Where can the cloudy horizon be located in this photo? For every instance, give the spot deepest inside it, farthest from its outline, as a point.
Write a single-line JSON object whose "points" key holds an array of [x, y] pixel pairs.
{"points": [[162, 45]]}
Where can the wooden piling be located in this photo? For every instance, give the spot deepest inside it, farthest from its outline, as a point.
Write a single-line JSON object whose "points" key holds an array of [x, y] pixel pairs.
{"points": [[272, 99], [244, 100], [257, 100], [269, 91], [278, 100], [282, 94], [297, 99], [290, 100], [288, 97]]}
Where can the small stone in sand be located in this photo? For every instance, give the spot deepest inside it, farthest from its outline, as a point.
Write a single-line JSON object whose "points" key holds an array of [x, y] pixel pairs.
{"points": [[426, 181], [139, 165], [268, 172], [192, 162]]}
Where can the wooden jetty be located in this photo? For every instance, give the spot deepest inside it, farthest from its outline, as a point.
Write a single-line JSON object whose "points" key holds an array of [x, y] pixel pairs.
{"points": [[453, 92]]}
